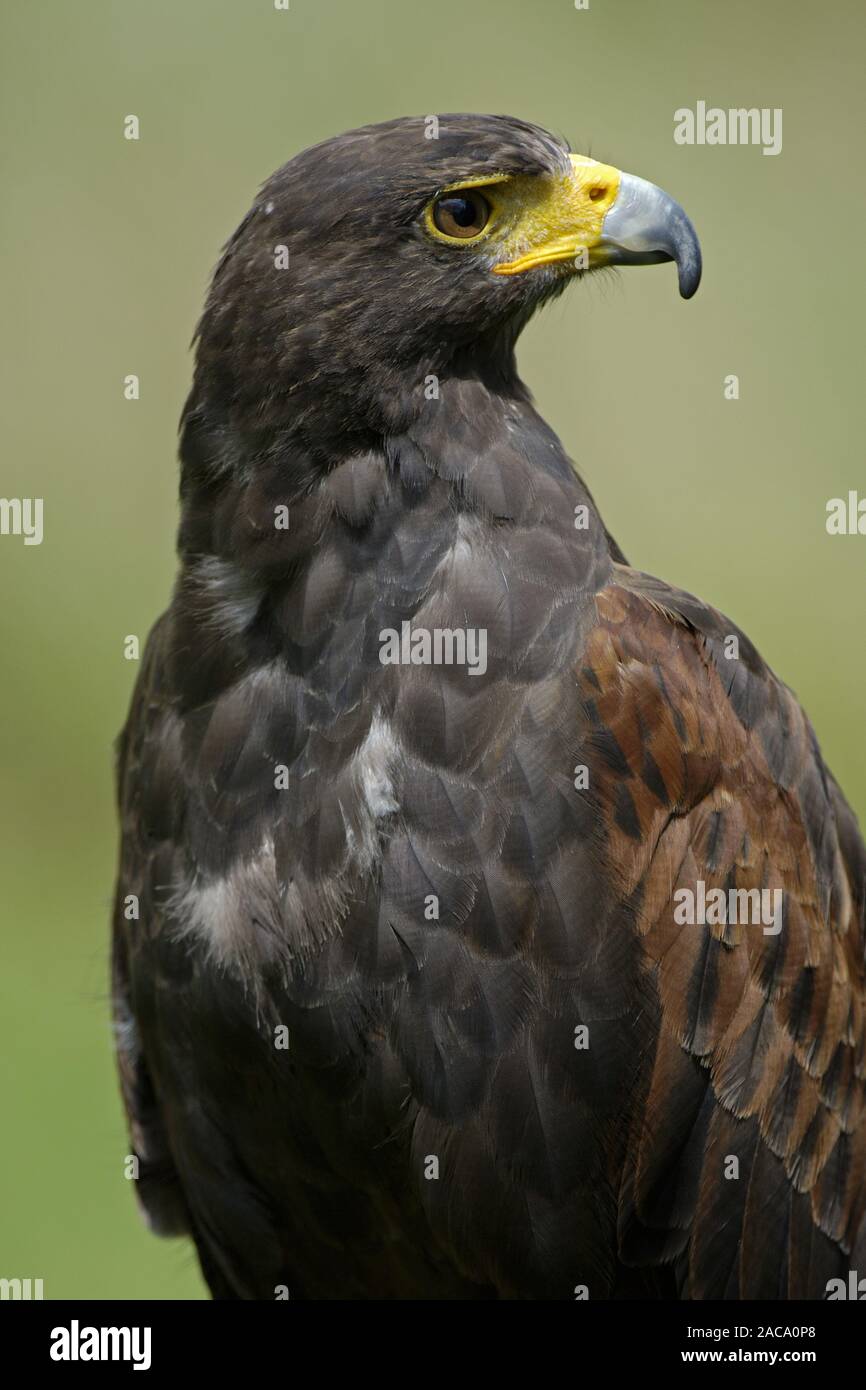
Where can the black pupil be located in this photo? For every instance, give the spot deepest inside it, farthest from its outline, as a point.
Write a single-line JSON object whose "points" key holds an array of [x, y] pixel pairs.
{"points": [[463, 211]]}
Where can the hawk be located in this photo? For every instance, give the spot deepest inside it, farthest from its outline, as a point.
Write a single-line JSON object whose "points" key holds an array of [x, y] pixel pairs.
{"points": [[488, 924]]}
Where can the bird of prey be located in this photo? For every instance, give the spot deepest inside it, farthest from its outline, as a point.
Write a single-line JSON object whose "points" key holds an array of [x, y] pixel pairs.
{"points": [[420, 780]]}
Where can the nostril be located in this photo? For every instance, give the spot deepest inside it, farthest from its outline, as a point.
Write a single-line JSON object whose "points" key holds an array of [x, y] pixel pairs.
{"points": [[597, 192]]}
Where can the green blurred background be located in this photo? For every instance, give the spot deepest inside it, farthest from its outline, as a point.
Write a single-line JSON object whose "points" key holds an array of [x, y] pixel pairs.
{"points": [[106, 247]]}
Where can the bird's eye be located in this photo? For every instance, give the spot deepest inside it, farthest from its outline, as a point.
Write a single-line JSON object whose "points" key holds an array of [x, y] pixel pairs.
{"points": [[462, 215]]}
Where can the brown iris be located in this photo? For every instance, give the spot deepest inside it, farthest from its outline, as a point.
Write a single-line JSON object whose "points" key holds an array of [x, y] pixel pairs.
{"points": [[461, 214]]}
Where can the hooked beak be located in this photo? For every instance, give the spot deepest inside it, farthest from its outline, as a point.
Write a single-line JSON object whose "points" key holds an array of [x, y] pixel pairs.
{"points": [[594, 215], [645, 226]]}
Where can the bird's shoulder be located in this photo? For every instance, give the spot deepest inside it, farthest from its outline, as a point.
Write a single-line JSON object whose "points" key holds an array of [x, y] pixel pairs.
{"points": [[709, 779]]}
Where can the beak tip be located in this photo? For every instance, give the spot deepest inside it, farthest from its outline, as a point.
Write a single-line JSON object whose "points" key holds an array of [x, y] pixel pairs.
{"points": [[689, 274], [690, 264]]}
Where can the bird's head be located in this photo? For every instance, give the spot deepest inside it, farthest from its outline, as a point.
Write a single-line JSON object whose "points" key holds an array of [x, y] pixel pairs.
{"points": [[405, 250]]}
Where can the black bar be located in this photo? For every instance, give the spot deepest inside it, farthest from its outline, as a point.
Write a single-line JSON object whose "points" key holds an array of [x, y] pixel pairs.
{"points": [[244, 1338]]}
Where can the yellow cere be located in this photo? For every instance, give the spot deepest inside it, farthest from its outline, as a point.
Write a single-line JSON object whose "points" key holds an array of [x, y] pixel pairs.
{"points": [[543, 219]]}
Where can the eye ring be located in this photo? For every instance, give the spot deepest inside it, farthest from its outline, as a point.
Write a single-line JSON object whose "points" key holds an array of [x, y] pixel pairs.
{"points": [[461, 214]]}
